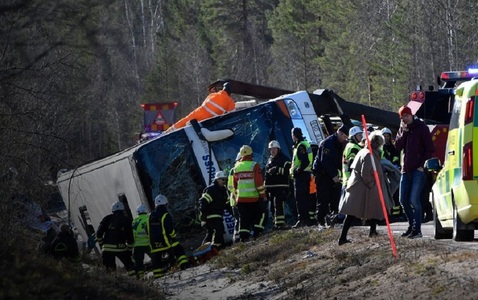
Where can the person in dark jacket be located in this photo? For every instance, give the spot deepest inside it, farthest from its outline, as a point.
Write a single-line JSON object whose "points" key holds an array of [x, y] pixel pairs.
{"points": [[326, 169], [415, 139], [276, 181], [162, 239], [115, 237], [64, 244], [212, 204]]}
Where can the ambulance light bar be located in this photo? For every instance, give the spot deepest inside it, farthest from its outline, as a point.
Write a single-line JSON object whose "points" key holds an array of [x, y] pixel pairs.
{"points": [[459, 75]]}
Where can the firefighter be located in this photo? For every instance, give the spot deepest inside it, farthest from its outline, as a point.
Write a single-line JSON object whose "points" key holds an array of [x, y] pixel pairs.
{"points": [[212, 204], [351, 149], [162, 239], [277, 183], [214, 105], [115, 237], [141, 240], [300, 171], [250, 196], [64, 244], [326, 168]]}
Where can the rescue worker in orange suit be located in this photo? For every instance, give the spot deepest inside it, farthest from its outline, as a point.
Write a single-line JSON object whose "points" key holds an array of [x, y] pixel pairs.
{"points": [[250, 195], [115, 236], [215, 104], [162, 239], [141, 239], [301, 172], [326, 169], [277, 183], [212, 204]]}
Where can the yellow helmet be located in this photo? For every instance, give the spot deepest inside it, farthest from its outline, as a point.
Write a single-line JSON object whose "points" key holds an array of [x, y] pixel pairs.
{"points": [[245, 150]]}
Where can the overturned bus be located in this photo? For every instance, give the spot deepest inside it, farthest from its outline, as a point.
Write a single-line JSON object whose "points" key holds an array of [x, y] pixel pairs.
{"points": [[182, 163]]}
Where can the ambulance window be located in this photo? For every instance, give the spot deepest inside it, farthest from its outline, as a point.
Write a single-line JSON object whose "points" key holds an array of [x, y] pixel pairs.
{"points": [[455, 115]]}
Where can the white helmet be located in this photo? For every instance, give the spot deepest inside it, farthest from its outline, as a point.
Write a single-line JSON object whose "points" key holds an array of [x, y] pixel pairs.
{"points": [[274, 144], [386, 130], [219, 174], [117, 206], [141, 209], [355, 130], [160, 200]]}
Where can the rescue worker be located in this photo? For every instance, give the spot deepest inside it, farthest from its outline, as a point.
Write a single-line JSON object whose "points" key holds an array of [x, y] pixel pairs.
{"points": [[389, 150], [64, 244], [212, 204], [276, 181], [250, 196], [115, 237], [350, 151], [313, 189], [300, 171], [214, 105], [141, 240], [390, 153], [162, 239], [326, 168]]}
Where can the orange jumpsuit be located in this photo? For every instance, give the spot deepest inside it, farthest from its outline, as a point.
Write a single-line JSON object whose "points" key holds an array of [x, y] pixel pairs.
{"points": [[215, 104]]}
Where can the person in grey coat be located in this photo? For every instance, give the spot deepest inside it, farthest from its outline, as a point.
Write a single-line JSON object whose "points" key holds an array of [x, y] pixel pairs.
{"points": [[362, 198]]}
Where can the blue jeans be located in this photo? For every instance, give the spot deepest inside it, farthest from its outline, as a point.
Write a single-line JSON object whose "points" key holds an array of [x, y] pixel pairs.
{"points": [[411, 186]]}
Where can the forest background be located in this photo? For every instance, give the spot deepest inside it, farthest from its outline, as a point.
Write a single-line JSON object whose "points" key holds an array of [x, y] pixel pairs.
{"points": [[73, 73]]}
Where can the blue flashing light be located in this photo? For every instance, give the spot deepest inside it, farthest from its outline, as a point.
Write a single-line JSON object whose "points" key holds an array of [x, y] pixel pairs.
{"points": [[473, 71]]}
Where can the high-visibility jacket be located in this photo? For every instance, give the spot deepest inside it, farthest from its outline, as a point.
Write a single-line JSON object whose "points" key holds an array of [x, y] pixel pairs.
{"points": [[115, 233], [162, 235], [213, 202], [297, 162], [248, 181], [350, 151], [277, 171], [215, 104], [140, 230]]}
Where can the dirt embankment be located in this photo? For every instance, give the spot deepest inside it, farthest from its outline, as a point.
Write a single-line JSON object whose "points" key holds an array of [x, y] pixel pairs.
{"points": [[308, 264]]}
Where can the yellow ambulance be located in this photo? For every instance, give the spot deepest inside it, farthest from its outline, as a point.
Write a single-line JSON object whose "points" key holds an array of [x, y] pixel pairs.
{"points": [[455, 192]]}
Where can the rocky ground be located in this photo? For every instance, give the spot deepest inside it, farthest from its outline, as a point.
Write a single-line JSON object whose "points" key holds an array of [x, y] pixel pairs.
{"points": [[308, 264]]}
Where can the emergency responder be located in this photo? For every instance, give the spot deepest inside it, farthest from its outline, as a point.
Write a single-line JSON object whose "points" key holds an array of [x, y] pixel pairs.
{"points": [[212, 204], [276, 181], [64, 244], [351, 149], [300, 171], [162, 239], [141, 240], [326, 169], [390, 153], [389, 150], [115, 236], [250, 196], [214, 105]]}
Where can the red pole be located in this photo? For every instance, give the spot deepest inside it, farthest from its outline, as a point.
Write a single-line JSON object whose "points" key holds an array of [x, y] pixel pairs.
{"points": [[380, 191]]}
